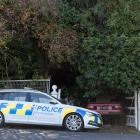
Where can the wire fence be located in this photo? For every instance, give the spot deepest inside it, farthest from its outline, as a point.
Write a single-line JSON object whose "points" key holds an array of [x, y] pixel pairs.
{"points": [[41, 85]]}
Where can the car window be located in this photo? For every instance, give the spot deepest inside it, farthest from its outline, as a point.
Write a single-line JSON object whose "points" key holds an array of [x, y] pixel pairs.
{"points": [[39, 98], [1, 93], [14, 96]]}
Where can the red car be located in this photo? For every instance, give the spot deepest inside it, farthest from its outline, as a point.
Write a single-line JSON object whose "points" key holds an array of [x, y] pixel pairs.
{"points": [[106, 108]]}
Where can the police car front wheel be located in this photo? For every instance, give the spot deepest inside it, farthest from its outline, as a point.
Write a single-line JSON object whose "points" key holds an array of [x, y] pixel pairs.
{"points": [[1, 120], [74, 122]]}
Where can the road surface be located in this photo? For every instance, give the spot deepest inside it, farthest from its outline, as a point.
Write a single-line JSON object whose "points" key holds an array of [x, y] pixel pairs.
{"points": [[43, 133]]}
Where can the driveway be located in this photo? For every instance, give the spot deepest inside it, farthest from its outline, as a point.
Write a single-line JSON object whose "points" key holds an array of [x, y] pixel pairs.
{"points": [[43, 133]]}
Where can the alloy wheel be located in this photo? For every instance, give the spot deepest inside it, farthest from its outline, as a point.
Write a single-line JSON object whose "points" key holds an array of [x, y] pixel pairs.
{"points": [[74, 122]]}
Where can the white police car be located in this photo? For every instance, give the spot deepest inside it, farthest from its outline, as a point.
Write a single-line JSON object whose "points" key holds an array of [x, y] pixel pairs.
{"points": [[24, 106]]}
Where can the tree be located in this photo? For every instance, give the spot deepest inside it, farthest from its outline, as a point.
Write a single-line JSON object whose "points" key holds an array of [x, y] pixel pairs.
{"points": [[27, 29], [109, 35], [98, 42]]}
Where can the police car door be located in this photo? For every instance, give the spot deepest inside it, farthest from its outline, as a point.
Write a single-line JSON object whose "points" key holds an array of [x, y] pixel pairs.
{"points": [[43, 111], [14, 107]]}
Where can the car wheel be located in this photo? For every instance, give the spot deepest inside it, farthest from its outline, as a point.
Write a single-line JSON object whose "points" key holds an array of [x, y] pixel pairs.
{"points": [[73, 122], [1, 120]]}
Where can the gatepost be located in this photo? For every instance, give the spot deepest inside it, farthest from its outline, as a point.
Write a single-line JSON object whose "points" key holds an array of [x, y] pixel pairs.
{"points": [[138, 117], [137, 110], [55, 93]]}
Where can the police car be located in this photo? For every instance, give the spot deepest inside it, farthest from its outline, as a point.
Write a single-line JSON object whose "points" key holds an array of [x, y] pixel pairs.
{"points": [[26, 106]]}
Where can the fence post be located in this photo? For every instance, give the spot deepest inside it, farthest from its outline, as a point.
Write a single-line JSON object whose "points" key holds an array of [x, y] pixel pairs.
{"points": [[136, 109], [138, 113]]}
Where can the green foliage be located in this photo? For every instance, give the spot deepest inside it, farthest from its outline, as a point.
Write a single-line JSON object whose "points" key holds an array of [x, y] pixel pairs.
{"points": [[26, 31], [110, 45], [99, 41]]}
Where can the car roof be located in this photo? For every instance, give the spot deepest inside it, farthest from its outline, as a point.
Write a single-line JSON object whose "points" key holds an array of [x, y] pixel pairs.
{"points": [[19, 90]]}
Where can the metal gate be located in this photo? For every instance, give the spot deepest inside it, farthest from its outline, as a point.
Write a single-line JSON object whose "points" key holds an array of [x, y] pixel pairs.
{"points": [[130, 110], [42, 84]]}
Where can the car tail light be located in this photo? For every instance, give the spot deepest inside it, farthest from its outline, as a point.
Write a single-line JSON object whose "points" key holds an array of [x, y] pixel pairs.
{"points": [[117, 107], [110, 107], [91, 107]]}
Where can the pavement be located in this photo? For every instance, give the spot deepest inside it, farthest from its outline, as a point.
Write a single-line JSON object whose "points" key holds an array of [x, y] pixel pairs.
{"points": [[45, 133]]}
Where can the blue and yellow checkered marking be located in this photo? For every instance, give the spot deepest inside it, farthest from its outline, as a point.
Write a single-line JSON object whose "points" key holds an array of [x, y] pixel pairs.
{"points": [[72, 110], [95, 119], [81, 112], [16, 108]]}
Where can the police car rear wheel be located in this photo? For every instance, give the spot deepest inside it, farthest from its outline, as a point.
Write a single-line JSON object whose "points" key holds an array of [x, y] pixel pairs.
{"points": [[1, 120], [74, 122]]}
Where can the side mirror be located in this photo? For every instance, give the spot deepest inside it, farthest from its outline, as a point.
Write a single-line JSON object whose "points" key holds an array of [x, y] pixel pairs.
{"points": [[53, 102]]}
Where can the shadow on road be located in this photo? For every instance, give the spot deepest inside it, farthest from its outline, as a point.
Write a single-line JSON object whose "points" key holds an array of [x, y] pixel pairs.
{"points": [[32, 132], [34, 127]]}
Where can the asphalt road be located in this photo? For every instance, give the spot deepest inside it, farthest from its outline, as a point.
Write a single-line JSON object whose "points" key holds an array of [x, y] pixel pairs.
{"points": [[43, 133]]}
